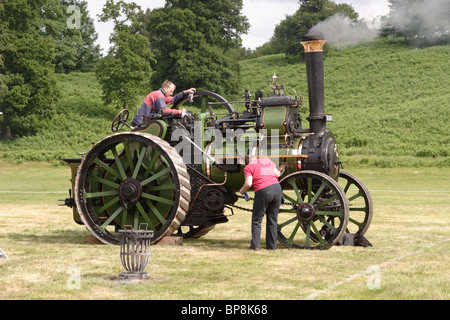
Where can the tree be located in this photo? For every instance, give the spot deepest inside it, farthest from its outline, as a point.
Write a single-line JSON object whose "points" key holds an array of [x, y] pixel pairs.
{"points": [[29, 90], [418, 21], [127, 64], [288, 34], [68, 23], [194, 42]]}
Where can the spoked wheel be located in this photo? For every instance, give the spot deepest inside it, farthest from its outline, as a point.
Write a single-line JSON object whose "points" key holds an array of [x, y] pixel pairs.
{"points": [[360, 202], [131, 178], [315, 212], [220, 106]]}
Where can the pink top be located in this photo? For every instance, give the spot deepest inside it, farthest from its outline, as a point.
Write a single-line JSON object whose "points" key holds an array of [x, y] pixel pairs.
{"points": [[262, 172]]}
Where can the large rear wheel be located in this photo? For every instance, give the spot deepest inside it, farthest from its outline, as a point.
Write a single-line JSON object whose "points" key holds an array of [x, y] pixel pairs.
{"points": [[131, 178]]}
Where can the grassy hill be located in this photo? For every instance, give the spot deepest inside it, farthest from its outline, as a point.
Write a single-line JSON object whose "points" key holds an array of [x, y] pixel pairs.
{"points": [[389, 103]]}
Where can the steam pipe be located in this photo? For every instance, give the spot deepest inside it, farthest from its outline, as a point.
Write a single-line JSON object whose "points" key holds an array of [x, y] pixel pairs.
{"points": [[313, 45]]}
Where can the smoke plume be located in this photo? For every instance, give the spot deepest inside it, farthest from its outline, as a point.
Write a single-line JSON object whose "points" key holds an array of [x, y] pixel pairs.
{"points": [[340, 30], [421, 18]]}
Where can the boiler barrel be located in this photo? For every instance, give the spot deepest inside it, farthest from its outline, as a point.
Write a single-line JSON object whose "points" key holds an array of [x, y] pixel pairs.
{"points": [[230, 158]]}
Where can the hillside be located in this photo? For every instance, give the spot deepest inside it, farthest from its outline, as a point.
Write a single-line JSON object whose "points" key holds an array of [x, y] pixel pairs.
{"points": [[389, 104]]}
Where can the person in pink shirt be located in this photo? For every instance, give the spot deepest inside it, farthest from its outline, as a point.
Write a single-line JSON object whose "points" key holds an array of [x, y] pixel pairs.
{"points": [[262, 174], [158, 100]]}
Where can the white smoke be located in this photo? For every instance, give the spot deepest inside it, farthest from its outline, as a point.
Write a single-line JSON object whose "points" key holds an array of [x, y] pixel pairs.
{"points": [[425, 18], [340, 30]]}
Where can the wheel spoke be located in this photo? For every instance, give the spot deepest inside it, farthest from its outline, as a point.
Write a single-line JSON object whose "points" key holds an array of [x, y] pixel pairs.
{"points": [[106, 182], [162, 187], [309, 189], [327, 201], [155, 176], [156, 198], [329, 225], [339, 213], [308, 235], [358, 224], [89, 195], [318, 235], [123, 175], [294, 232], [107, 168], [139, 162], [128, 156], [155, 157], [357, 195], [318, 192], [108, 204], [145, 216], [155, 212], [284, 224], [111, 218], [297, 193], [290, 199]]}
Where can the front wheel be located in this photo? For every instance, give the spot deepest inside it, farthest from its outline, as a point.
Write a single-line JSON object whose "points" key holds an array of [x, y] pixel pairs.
{"points": [[315, 213]]}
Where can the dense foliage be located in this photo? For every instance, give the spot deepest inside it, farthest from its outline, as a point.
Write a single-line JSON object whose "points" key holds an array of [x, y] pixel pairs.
{"points": [[287, 34], [193, 41], [127, 64], [28, 87], [389, 103]]}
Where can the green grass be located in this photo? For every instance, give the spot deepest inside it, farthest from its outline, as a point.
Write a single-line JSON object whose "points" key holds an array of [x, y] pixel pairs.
{"points": [[389, 103], [410, 235]]}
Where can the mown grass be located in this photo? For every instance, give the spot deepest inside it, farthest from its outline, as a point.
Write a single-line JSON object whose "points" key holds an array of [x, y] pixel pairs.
{"points": [[389, 103], [410, 235]]}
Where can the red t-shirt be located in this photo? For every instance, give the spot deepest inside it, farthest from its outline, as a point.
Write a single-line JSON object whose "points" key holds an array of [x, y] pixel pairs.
{"points": [[262, 172]]}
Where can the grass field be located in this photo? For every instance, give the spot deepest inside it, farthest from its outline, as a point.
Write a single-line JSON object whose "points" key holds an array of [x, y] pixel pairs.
{"points": [[49, 259]]}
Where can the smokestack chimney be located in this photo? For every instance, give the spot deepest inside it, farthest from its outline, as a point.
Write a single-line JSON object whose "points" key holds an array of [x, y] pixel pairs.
{"points": [[313, 43]]}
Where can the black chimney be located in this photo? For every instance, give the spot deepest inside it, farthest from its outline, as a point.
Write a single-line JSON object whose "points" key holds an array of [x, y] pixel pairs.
{"points": [[313, 43]]}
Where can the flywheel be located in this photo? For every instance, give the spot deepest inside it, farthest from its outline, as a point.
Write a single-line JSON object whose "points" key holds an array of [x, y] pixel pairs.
{"points": [[128, 179]]}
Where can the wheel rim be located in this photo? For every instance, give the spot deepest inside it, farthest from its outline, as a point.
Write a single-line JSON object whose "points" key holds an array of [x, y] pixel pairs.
{"points": [[129, 179], [315, 212], [360, 203]]}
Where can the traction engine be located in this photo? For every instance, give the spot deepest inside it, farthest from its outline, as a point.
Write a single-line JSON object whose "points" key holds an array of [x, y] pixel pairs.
{"points": [[180, 174]]}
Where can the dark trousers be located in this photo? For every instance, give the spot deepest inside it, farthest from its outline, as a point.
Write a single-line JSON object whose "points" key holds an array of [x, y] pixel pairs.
{"points": [[267, 201]]}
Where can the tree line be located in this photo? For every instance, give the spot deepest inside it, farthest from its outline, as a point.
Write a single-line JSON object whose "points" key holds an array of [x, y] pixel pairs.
{"points": [[194, 43]]}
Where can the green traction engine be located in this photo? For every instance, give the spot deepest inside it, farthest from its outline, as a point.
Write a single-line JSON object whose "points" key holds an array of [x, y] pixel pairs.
{"points": [[181, 174]]}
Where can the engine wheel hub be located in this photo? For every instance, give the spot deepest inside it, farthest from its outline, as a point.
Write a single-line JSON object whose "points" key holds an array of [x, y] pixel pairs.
{"points": [[305, 212], [130, 191]]}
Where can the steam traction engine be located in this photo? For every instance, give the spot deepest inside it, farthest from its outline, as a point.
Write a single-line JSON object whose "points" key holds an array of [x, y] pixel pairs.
{"points": [[179, 175]]}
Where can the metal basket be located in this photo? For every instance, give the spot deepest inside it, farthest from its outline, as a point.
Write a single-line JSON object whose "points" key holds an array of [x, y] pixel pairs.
{"points": [[135, 251]]}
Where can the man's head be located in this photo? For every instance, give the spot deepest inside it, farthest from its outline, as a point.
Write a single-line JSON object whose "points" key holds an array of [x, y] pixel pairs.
{"points": [[168, 88]]}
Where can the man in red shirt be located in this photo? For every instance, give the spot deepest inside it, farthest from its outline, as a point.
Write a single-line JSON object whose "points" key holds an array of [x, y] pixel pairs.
{"points": [[158, 100], [262, 174]]}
